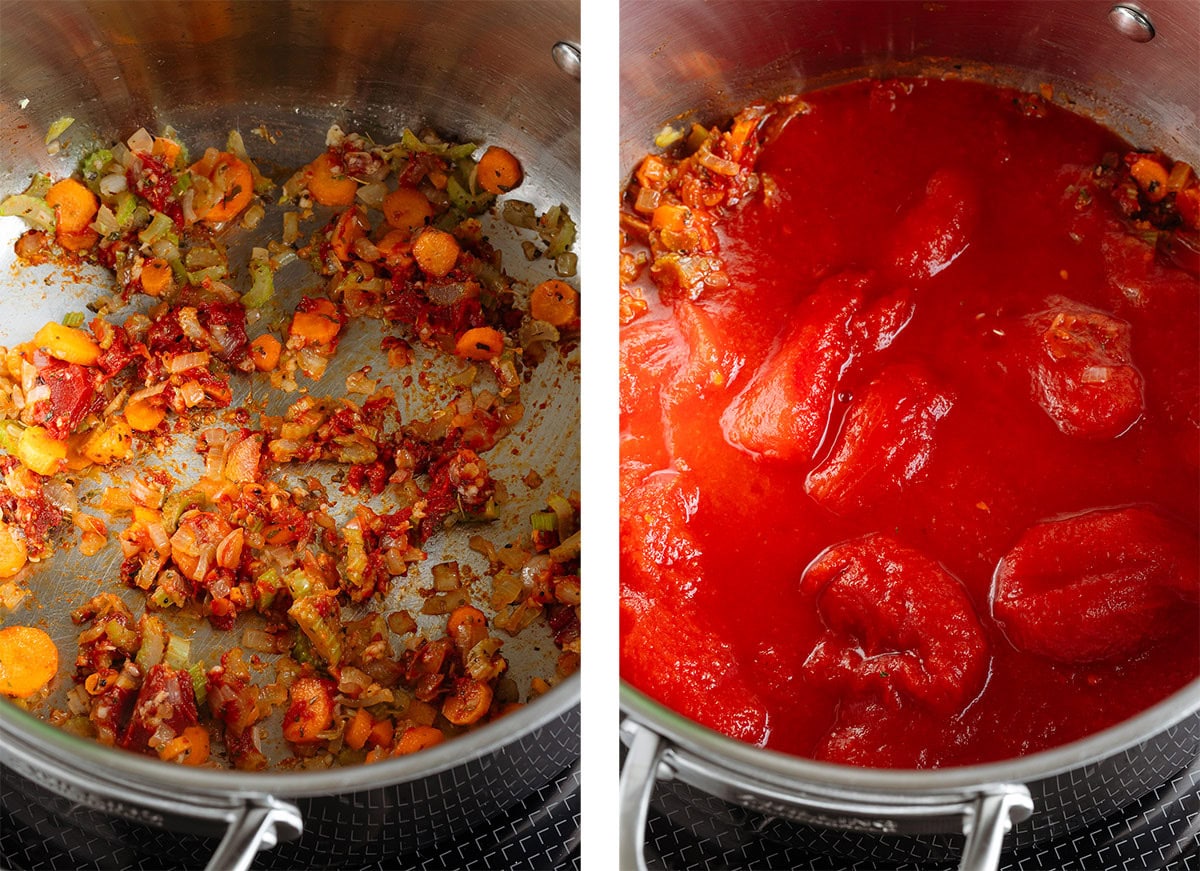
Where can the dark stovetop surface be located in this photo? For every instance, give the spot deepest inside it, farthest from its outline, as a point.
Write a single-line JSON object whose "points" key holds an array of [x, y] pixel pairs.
{"points": [[539, 833], [1160, 833]]}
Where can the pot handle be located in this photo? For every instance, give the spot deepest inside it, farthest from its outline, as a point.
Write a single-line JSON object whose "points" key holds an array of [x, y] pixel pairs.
{"points": [[256, 826], [638, 776], [983, 815]]}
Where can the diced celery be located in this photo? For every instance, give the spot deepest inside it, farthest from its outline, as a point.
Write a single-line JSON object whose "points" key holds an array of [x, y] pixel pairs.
{"points": [[34, 211], [179, 651], [262, 288], [466, 202], [94, 163], [199, 681], [58, 128], [160, 225], [324, 630], [72, 319]]}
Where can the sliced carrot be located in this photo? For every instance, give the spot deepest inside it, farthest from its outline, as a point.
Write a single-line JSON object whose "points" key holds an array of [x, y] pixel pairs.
{"points": [[381, 733], [67, 344], [417, 738], [75, 204], [498, 172], [78, 241], [468, 701], [359, 729], [350, 227], [13, 554], [310, 711], [554, 302], [652, 173], [168, 149], [670, 217], [157, 276], [1151, 178], [28, 660], [238, 186], [481, 343], [265, 351], [319, 326], [144, 415], [406, 208], [192, 745], [327, 188], [396, 250], [462, 616], [435, 251]]}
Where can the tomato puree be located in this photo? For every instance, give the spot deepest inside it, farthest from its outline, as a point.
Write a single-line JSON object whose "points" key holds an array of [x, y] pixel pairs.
{"points": [[910, 426]]}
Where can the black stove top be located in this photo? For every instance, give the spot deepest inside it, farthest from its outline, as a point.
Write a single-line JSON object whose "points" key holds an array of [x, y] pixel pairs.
{"points": [[696, 831], [39, 830]]}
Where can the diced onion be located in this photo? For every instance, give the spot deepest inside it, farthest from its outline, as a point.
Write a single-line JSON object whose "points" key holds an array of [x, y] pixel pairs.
{"points": [[183, 362]]}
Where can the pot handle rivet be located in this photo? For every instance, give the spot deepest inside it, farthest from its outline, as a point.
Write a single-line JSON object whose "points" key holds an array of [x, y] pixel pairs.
{"points": [[567, 56], [1131, 22]]}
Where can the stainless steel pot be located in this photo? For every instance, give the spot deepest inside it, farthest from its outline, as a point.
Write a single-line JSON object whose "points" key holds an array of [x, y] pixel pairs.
{"points": [[504, 72], [1137, 67]]}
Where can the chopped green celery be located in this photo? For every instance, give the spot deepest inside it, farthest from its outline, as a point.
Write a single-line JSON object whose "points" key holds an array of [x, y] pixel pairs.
{"points": [[356, 555], [466, 202], [160, 598], [94, 163], [179, 270], [126, 205], [410, 142], [179, 651], [262, 288], [215, 273], [199, 681], [72, 319], [58, 128], [34, 211], [544, 521], [39, 185], [160, 225], [299, 583], [154, 642], [182, 183], [318, 618], [267, 587], [178, 503], [302, 650]]}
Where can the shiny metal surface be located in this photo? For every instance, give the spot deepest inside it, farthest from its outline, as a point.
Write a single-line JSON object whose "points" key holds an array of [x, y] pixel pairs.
{"points": [[476, 70], [704, 61]]}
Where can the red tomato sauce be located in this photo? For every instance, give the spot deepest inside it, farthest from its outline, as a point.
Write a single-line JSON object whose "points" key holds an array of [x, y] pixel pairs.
{"points": [[910, 473]]}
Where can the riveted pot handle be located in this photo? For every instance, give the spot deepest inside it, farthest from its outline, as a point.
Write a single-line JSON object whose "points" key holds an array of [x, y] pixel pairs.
{"points": [[638, 776], [986, 824], [261, 824]]}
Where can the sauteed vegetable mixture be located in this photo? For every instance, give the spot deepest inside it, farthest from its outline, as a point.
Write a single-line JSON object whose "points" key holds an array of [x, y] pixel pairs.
{"points": [[910, 418], [394, 232]]}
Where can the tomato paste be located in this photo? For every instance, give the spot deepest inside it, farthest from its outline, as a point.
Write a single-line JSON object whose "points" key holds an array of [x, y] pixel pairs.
{"points": [[910, 426]]}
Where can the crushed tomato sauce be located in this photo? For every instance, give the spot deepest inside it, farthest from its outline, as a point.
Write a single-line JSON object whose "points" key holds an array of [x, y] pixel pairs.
{"points": [[910, 406]]}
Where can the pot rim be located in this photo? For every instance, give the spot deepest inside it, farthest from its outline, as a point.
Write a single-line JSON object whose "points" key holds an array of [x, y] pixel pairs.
{"points": [[780, 768], [50, 746]]}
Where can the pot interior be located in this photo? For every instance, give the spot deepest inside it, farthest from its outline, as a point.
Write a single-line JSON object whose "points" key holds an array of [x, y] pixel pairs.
{"points": [[295, 69]]}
